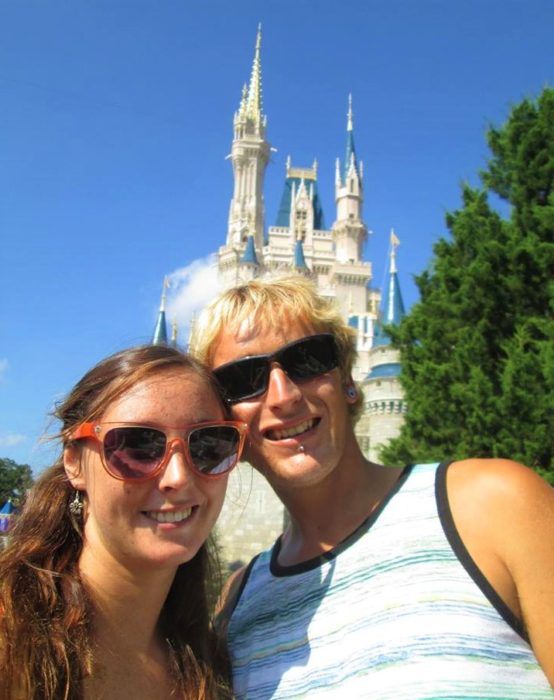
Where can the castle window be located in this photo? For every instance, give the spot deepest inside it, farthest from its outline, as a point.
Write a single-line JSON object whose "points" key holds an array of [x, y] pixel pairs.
{"points": [[301, 216]]}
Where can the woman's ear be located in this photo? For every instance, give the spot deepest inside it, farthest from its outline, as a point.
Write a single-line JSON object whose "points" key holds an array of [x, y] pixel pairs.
{"points": [[72, 464]]}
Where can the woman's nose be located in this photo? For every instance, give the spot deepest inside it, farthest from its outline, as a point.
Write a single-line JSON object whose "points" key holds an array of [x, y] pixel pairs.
{"points": [[176, 473]]}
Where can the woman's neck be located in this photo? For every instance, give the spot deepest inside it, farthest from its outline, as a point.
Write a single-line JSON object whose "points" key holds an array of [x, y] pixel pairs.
{"points": [[126, 603], [130, 657]]}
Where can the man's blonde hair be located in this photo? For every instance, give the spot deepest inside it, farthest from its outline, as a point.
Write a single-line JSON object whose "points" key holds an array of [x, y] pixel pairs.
{"points": [[275, 303]]}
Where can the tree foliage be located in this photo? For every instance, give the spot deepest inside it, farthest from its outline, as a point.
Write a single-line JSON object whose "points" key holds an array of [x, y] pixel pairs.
{"points": [[477, 350], [15, 480]]}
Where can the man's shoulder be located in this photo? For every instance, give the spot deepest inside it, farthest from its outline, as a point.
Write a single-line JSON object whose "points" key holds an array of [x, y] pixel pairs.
{"points": [[501, 492], [495, 478]]}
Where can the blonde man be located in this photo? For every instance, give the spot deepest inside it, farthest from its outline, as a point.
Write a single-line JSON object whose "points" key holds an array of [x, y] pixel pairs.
{"points": [[424, 581]]}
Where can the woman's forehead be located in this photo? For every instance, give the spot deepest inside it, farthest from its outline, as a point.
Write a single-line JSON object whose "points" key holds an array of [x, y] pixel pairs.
{"points": [[171, 394]]}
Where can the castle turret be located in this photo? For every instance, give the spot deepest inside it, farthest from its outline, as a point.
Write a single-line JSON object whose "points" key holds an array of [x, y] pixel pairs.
{"points": [[249, 155], [392, 305], [350, 275], [350, 232], [385, 405]]}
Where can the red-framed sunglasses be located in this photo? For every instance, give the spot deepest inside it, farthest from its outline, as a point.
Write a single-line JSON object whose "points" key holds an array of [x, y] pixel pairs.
{"points": [[132, 452]]}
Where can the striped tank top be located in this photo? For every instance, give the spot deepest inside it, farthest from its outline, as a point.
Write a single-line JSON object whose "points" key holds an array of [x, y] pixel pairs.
{"points": [[397, 611]]}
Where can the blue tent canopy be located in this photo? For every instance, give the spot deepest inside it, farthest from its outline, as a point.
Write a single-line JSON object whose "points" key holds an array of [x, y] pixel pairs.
{"points": [[6, 515]]}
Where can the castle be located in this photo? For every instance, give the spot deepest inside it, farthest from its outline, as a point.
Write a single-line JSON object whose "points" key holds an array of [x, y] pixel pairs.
{"points": [[299, 242]]}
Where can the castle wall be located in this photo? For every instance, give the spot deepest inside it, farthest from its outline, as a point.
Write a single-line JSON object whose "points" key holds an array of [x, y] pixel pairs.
{"points": [[251, 519]]}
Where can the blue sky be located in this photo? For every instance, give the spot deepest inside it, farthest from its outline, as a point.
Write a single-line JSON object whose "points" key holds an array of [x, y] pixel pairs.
{"points": [[116, 117]]}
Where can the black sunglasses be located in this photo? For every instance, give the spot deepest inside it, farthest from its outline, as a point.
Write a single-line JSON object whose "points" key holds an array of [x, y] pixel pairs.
{"points": [[302, 359]]}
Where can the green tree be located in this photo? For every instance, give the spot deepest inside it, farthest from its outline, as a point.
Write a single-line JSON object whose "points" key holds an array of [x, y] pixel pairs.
{"points": [[477, 350], [15, 479]]}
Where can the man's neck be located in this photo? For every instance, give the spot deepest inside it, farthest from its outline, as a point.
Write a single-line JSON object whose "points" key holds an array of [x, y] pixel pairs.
{"points": [[323, 515]]}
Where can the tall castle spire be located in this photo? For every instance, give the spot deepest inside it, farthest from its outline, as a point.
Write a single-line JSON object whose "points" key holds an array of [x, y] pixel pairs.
{"points": [[254, 100], [249, 117], [249, 155]]}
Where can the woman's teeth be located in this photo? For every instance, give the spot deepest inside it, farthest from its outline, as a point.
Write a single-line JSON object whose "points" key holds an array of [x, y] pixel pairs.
{"points": [[169, 516], [291, 432]]}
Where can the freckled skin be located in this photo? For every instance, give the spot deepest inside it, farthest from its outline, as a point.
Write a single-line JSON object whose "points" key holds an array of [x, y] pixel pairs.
{"points": [[117, 528]]}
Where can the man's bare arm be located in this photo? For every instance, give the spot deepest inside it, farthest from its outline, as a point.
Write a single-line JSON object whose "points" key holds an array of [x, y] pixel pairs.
{"points": [[504, 513]]}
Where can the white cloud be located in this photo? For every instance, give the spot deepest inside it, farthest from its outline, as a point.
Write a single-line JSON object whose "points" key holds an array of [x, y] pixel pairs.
{"points": [[3, 367], [191, 288], [11, 440]]}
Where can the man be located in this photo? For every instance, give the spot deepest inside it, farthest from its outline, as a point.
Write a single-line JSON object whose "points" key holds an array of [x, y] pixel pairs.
{"points": [[432, 581]]}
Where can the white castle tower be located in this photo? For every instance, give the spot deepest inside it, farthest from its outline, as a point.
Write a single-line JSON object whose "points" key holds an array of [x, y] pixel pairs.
{"points": [[249, 155]]}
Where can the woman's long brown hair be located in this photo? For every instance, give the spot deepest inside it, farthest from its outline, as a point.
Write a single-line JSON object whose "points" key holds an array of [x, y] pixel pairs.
{"points": [[46, 642]]}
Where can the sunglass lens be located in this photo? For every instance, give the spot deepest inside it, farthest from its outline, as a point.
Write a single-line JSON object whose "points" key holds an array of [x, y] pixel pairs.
{"points": [[243, 379], [133, 452], [214, 449], [310, 357]]}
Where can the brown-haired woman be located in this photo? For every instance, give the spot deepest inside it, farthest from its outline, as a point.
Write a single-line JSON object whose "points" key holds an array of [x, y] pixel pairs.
{"points": [[103, 585]]}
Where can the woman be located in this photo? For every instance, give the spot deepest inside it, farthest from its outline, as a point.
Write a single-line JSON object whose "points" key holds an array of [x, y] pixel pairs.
{"points": [[103, 586]]}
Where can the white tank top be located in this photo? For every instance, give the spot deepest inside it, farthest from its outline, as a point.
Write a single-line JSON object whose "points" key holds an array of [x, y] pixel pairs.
{"points": [[398, 611]]}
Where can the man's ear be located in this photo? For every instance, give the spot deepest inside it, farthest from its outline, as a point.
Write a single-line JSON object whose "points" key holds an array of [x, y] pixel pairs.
{"points": [[351, 392], [72, 465]]}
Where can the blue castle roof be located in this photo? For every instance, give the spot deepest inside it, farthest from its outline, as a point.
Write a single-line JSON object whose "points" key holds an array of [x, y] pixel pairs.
{"points": [[283, 215], [350, 153], [299, 259], [389, 369], [249, 256], [392, 308], [160, 331]]}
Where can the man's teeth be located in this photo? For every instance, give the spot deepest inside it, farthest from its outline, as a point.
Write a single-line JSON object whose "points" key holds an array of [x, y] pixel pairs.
{"points": [[169, 516], [291, 432]]}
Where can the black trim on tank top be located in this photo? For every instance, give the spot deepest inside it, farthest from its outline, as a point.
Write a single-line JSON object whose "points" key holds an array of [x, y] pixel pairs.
{"points": [[465, 558], [242, 585], [280, 570]]}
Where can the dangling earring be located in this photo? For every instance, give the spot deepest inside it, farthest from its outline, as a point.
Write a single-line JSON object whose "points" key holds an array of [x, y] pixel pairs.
{"points": [[76, 505], [352, 392]]}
